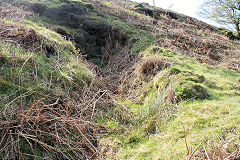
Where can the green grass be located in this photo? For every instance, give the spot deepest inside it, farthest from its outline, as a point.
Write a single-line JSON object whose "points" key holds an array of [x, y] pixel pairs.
{"points": [[28, 75], [204, 120], [26, 72], [169, 102], [139, 38]]}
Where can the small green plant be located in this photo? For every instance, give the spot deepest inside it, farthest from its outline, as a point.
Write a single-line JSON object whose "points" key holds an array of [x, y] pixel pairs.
{"points": [[191, 90]]}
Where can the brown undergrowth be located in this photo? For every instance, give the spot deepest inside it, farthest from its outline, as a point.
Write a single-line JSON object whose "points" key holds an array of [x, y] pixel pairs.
{"points": [[10, 12], [220, 149], [212, 49], [140, 75], [27, 38], [65, 129], [186, 35]]}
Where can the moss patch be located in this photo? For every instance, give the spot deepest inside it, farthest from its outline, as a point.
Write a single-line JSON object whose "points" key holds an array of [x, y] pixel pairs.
{"points": [[191, 90]]}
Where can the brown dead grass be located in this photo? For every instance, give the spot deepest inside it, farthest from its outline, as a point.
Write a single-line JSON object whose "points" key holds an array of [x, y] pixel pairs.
{"points": [[19, 35], [187, 36], [48, 126], [213, 49], [10, 12], [65, 129], [140, 75], [222, 151], [27, 38], [151, 66]]}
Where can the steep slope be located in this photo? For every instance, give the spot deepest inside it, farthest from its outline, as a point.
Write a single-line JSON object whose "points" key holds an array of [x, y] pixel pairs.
{"points": [[42, 77], [114, 79]]}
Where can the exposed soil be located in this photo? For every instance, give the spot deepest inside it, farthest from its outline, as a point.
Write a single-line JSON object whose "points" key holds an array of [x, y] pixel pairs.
{"points": [[93, 37]]}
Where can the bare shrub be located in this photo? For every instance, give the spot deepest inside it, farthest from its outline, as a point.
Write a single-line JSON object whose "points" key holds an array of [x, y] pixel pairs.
{"points": [[64, 129]]}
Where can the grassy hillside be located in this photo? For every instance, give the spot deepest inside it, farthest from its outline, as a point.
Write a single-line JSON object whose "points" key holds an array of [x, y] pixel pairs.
{"points": [[186, 106], [86, 79]]}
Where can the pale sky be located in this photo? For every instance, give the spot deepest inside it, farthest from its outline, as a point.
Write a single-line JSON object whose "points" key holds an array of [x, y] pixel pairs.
{"points": [[186, 7]]}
